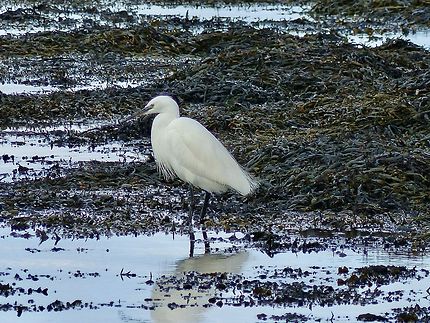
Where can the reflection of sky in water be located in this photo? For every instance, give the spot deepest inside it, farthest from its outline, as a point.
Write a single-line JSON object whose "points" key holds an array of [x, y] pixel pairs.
{"points": [[420, 38], [162, 254], [14, 88], [248, 12], [17, 88]]}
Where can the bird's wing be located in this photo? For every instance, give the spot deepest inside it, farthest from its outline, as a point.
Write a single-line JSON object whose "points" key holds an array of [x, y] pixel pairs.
{"points": [[194, 149]]}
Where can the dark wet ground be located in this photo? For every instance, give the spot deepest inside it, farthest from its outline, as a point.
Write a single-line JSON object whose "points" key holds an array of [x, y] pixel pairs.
{"points": [[313, 99]]}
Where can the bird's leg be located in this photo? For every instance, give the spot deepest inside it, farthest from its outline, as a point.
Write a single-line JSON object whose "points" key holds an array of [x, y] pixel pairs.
{"points": [[206, 240], [205, 207], [202, 221], [191, 206], [190, 221], [192, 242]]}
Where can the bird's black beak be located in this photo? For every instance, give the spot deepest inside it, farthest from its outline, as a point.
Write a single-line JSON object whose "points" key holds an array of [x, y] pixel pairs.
{"points": [[147, 109], [141, 113]]}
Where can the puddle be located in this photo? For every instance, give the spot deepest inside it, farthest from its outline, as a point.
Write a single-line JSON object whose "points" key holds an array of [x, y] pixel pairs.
{"points": [[420, 38], [256, 12], [89, 272], [17, 88], [32, 153]]}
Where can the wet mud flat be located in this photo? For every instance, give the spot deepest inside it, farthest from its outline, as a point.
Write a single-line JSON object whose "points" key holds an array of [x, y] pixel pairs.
{"points": [[337, 132]]}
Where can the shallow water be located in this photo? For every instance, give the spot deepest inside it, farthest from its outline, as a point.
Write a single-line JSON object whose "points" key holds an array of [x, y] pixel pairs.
{"points": [[89, 270], [15, 88], [419, 37], [34, 149], [247, 12], [19, 88], [71, 18]]}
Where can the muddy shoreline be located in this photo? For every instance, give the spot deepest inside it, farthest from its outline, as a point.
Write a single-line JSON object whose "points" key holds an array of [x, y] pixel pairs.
{"points": [[326, 125], [336, 131]]}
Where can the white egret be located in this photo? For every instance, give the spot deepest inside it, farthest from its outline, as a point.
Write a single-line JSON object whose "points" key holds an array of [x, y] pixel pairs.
{"points": [[184, 148]]}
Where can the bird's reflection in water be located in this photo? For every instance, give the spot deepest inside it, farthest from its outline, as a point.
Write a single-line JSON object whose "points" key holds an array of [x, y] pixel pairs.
{"points": [[187, 303]]}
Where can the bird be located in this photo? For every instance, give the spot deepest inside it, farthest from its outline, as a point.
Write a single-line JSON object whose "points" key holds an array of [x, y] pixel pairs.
{"points": [[184, 148]]}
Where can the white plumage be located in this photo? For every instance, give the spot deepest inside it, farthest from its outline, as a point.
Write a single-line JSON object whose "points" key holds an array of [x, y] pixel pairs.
{"points": [[185, 148]]}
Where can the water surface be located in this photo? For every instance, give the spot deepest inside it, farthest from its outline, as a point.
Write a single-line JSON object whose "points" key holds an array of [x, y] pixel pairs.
{"points": [[90, 270]]}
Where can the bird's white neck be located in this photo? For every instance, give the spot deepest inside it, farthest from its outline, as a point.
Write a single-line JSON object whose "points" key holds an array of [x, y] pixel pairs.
{"points": [[158, 135], [160, 124], [162, 120]]}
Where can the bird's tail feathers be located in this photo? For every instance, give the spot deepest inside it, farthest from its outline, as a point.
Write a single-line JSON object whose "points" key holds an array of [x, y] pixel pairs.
{"points": [[247, 184], [253, 183]]}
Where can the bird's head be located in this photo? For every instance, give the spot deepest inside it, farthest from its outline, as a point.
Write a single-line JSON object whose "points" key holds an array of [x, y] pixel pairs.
{"points": [[161, 104]]}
